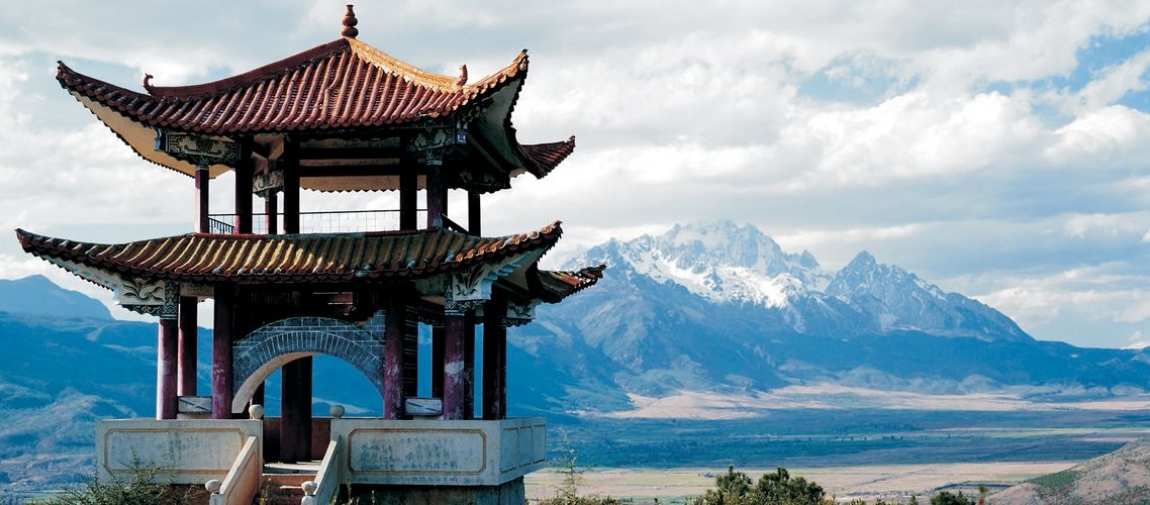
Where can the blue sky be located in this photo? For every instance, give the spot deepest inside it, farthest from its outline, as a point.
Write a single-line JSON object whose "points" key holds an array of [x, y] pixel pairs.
{"points": [[995, 148]]}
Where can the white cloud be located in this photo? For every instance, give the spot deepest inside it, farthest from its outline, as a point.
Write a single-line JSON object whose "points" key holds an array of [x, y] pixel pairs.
{"points": [[683, 111]]}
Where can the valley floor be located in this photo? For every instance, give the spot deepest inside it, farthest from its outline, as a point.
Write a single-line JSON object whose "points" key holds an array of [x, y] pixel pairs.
{"points": [[868, 482]]}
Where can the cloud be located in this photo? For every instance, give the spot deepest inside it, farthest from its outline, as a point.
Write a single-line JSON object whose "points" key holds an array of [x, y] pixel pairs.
{"points": [[985, 145]]}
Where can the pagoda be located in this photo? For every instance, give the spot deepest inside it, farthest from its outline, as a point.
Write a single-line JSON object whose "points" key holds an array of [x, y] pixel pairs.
{"points": [[289, 284]]}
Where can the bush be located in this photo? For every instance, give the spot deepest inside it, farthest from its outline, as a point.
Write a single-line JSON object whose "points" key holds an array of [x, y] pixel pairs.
{"points": [[140, 489]]}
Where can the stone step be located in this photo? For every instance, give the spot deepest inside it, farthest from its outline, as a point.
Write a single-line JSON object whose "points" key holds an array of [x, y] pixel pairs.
{"points": [[282, 482]]}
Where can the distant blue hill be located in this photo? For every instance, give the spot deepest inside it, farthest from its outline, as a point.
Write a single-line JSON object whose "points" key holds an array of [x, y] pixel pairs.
{"points": [[38, 295]]}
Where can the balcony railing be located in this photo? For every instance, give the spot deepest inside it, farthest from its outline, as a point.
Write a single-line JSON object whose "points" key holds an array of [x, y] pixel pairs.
{"points": [[321, 222]]}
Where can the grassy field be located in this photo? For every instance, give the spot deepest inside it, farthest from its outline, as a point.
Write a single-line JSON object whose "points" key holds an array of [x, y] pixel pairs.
{"points": [[866, 453], [644, 485]]}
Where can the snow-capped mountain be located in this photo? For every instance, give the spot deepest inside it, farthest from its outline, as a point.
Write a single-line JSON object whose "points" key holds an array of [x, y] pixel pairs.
{"points": [[721, 307], [722, 262]]}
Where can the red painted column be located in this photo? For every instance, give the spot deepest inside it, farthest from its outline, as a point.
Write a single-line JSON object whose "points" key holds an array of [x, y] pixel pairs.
{"points": [[474, 223], [394, 342], [469, 365], [290, 160], [271, 212], [186, 375], [166, 364], [295, 411], [410, 354], [243, 191], [202, 193], [408, 188], [222, 373], [453, 383], [438, 338], [436, 198], [494, 359]]}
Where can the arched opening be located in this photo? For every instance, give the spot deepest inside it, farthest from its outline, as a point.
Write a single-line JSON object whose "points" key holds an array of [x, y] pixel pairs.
{"points": [[269, 348]]}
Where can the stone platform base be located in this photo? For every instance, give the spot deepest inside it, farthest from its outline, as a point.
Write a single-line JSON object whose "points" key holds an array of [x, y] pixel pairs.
{"points": [[509, 493]]}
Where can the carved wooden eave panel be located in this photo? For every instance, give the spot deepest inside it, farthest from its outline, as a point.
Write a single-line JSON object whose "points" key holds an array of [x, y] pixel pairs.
{"points": [[467, 290], [199, 150], [142, 139], [143, 296], [519, 314]]}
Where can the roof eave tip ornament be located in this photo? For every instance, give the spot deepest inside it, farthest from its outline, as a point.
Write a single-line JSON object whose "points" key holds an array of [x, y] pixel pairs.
{"points": [[349, 22]]}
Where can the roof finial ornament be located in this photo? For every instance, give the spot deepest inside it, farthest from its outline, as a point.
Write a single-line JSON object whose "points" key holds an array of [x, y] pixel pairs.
{"points": [[462, 76], [349, 23], [148, 81]]}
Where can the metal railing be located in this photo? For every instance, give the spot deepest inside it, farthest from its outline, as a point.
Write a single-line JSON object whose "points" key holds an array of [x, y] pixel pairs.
{"points": [[322, 222]]}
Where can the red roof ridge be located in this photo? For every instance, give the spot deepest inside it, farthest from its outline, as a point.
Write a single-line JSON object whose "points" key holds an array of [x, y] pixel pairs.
{"points": [[261, 73], [395, 66]]}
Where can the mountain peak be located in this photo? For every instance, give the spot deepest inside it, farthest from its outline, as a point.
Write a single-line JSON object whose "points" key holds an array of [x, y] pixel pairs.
{"points": [[38, 295]]}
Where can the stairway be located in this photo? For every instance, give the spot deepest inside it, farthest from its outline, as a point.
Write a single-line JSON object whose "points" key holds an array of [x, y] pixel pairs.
{"points": [[282, 482]]}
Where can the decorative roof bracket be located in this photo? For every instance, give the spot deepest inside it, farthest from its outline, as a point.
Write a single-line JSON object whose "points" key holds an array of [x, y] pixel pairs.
{"points": [[431, 145], [199, 150]]}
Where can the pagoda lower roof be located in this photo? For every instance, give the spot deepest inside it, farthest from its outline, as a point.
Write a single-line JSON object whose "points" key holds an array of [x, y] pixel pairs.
{"points": [[342, 87], [312, 258]]}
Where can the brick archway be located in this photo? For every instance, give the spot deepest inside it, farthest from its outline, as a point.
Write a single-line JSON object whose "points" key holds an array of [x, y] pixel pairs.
{"points": [[265, 350]]}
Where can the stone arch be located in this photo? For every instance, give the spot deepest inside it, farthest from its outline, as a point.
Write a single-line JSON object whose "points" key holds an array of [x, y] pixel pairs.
{"points": [[268, 348]]}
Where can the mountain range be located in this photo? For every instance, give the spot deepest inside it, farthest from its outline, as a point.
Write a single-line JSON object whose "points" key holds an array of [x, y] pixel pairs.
{"points": [[705, 310], [719, 307]]}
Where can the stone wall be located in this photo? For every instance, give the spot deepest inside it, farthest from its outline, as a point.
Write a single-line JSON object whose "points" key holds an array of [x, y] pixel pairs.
{"points": [[178, 451]]}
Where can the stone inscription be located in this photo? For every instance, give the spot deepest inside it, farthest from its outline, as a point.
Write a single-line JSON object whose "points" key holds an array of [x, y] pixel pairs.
{"points": [[399, 451]]}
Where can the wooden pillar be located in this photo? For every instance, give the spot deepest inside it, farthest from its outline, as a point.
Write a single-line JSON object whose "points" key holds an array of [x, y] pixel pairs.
{"points": [[290, 161], [469, 365], [166, 364], [411, 355], [394, 343], [243, 191], [438, 338], [187, 352], [202, 192], [436, 197], [453, 382], [474, 225], [494, 359], [222, 373], [408, 189], [295, 411], [271, 212]]}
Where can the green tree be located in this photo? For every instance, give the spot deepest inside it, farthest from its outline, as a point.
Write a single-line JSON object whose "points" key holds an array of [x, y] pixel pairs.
{"points": [[946, 498], [780, 488]]}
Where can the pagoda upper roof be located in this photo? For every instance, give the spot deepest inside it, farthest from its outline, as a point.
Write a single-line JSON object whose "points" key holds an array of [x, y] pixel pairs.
{"points": [[312, 258], [338, 87]]}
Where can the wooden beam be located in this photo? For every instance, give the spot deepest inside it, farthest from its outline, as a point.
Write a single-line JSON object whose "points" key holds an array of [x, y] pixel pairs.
{"points": [[349, 153], [307, 171]]}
